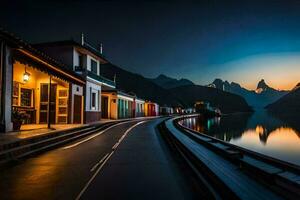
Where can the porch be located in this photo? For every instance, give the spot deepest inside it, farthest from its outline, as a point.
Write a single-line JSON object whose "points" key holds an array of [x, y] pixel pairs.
{"points": [[35, 93]]}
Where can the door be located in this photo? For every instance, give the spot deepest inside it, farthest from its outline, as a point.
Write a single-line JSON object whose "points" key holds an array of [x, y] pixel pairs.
{"points": [[77, 109], [44, 103], [104, 107]]}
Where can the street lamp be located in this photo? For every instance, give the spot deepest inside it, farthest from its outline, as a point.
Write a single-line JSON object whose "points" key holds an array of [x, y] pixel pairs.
{"points": [[26, 76]]}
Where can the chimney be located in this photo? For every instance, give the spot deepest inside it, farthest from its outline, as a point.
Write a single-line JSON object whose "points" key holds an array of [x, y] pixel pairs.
{"points": [[82, 39]]}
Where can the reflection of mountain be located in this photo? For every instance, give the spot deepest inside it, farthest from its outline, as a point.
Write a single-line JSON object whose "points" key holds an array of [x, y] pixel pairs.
{"points": [[233, 126], [262, 118], [262, 96], [270, 123], [259, 132], [287, 108], [230, 126], [289, 119]]}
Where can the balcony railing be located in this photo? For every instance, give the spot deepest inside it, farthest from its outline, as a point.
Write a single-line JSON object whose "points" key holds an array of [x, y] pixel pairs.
{"points": [[97, 77], [101, 79], [79, 69]]}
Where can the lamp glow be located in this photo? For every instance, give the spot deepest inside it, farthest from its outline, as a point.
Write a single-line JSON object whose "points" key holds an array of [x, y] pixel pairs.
{"points": [[26, 76]]}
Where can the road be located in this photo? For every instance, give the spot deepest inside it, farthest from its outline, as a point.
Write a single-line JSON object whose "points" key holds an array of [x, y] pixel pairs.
{"points": [[126, 161]]}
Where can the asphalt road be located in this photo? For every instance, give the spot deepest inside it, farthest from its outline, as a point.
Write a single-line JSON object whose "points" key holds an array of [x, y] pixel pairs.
{"points": [[127, 161]]}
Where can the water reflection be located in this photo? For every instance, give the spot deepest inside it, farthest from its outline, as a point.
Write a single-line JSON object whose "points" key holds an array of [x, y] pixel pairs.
{"points": [[258, 131]]}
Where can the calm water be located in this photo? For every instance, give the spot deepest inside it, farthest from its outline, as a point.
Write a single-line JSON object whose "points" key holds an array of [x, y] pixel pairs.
{"points": [[278, 137]]}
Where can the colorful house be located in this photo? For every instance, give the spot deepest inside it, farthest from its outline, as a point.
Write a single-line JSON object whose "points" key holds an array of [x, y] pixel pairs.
{"points": [[166, 110], [151, 109], [139, 107], [44, 90], [85, 60], [117, 105]]}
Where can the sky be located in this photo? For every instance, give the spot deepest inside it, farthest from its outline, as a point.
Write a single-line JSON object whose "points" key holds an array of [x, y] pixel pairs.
{"points": [[239, 41]]}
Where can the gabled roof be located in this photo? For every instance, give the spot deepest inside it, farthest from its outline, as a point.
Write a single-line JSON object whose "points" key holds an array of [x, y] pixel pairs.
{"points": [[26, 50], [74, 43]]}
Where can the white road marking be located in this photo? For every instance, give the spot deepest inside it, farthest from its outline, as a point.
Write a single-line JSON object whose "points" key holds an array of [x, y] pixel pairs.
{"points": [[95, 135], [94, 175], [98, 163], [106, 158], [124, 135]]}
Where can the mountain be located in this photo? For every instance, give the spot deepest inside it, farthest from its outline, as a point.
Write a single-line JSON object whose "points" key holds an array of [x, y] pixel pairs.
{"points": [[297, 86], [141, 86], [289, 104], [184, 96], [261, 97], [262, 85], [227, 102], [168, 82], [287, 108]]}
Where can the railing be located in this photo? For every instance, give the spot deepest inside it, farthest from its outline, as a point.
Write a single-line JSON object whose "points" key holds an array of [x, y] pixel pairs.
{"points": [[97, 77], [101, 79], [79, 69], [229, 162], [270, 160]]}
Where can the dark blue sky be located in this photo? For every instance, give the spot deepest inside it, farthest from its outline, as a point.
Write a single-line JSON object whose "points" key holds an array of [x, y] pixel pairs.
{"points": [[241, 41]]}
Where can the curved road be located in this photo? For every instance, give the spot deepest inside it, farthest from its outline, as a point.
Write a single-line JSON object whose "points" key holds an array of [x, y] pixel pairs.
{"points": [[126, 161]]}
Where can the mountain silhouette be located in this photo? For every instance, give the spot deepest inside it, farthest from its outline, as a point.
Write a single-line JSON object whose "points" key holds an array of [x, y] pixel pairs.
{"points": [[261, 97], [168, 82], [184, 96]]}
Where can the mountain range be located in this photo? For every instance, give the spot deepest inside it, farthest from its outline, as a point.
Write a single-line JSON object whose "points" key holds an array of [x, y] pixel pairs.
{"points": [[172, 92], [169, 83], [229, 97], [289, 104], [259, 98]]}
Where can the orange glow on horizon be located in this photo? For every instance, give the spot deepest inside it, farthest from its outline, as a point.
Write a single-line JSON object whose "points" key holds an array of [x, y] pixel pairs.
{"points": [[279, 70], [277, 84]]}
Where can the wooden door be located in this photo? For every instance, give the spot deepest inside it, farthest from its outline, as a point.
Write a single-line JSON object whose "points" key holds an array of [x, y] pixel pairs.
{"points": [[104, 107], [77, 109], [44, 103]]}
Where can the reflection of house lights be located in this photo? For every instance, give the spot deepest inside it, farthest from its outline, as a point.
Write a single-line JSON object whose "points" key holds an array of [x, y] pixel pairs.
{"points": [[26, 76]]}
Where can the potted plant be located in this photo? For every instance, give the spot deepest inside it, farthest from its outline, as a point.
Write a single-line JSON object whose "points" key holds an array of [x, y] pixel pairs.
{"points": [[17, 119]]}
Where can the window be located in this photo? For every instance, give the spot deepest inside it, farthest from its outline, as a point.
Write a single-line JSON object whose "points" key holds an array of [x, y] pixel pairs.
{"points": [[93, 100], [26, 95], [80, 60], [94, 66], [22, 96]]}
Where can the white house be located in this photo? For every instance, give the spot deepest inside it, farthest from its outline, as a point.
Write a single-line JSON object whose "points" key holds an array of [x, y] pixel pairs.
{"points": [[85, 60]]}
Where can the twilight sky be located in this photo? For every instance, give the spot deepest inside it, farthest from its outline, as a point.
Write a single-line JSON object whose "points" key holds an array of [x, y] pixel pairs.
{"points": [[240, 41]]}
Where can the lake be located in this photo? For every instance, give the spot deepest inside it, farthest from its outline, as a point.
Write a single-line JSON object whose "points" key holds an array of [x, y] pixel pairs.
{"points": [[278, 137]]}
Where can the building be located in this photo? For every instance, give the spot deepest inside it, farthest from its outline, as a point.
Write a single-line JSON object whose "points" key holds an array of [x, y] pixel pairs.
{"points": [[151, 109], [200, 106], [166, 110], [139, 107], [178, 109], [118, 105], [86, 61], [189, 110], [39, 87]]}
